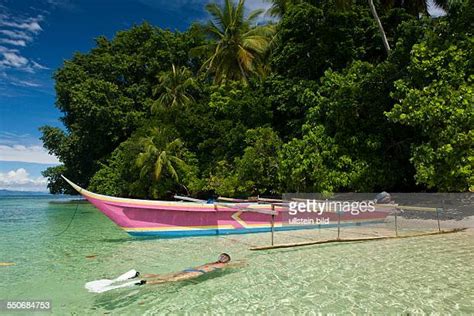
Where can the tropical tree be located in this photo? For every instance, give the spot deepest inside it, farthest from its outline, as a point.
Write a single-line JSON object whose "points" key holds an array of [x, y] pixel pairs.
{"points": [[279, 7], [174, 88], [436, 99], [237, 45], [414, 7], [380, 26], [101, 93], [158, 158]]}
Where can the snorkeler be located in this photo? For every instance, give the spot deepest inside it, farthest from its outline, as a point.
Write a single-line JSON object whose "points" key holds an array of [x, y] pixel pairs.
{"points": [[131, 277], [222, 262]]}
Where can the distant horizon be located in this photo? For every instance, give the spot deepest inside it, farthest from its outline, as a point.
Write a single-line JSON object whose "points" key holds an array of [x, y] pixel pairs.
{"points": [[24, 192]]}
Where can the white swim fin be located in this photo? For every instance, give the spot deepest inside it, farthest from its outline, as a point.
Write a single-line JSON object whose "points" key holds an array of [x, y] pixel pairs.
{"points": [[99, 286], [128, 275]]}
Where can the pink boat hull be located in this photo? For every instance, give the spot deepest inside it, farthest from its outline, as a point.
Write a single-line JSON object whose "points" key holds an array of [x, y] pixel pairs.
{"points": [[167, 219]]}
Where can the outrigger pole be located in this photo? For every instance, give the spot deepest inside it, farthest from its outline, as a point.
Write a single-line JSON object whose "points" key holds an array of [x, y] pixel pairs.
{"points": [[456, 230], [398, 208]]}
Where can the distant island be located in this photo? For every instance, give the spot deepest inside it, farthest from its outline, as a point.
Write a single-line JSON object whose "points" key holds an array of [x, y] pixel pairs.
{"points": [[4, 192]]}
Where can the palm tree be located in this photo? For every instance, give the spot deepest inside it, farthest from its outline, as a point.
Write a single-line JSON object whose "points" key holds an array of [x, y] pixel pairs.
{"points": [[157, 157], [173, 89], [237, 45], [280, 7], [414, 7], [380, 26]]}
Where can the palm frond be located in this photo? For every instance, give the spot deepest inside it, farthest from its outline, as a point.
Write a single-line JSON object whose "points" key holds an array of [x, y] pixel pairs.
{"points": [[159, 164], [237, 46], [255, 14], [172, 171]]}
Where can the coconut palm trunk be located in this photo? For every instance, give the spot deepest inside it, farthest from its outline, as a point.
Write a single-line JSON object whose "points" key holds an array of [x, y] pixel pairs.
{"points": [[380, 26]]}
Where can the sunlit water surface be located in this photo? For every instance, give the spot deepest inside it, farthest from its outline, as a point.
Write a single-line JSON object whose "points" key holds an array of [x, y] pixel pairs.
{"points": [[418, 275]]}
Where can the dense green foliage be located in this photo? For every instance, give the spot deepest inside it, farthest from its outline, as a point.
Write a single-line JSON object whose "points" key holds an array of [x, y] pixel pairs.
{"points": [[313, 38], [233, 108], [436, 98]]}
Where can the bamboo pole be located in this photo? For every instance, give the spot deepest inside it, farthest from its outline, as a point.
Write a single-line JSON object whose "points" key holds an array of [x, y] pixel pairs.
{"points": [[456, 230], [259, 199], [437, 218], [396, 224], [226, 199], [190, 199], [407, 207], [273, 223], [338, 224]]}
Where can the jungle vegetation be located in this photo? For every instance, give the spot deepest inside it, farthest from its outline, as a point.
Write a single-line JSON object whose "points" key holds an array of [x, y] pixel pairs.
{"points": [[303, 98]]}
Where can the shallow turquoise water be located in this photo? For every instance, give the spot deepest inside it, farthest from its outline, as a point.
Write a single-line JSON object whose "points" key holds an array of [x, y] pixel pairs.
{"points": [[416, 276]]}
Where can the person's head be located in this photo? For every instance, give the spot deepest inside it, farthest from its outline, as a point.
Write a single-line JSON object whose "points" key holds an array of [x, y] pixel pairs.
{"points": [[223, 258]]}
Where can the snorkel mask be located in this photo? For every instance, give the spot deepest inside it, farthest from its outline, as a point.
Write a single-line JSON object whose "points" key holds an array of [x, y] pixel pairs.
{"points": [[223, 258]]}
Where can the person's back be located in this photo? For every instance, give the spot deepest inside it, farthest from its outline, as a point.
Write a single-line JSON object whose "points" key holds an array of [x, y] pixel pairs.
{"points": [[190, 273]]}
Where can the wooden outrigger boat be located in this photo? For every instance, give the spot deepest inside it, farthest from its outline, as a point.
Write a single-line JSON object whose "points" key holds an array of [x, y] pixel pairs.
{"points": [[171, 219]]}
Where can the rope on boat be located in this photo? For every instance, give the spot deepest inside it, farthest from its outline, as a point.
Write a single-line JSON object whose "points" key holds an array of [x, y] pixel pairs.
{"points": [[70, 222]]}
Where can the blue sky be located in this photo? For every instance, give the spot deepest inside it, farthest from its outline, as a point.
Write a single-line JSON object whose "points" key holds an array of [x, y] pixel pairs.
{"points": [[36, 36]]}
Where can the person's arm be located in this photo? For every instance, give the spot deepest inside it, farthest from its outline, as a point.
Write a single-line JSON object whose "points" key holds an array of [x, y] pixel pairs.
{"points": [[156, 281], [159, 276], [150, 276], [237, 264], [175, 277]]}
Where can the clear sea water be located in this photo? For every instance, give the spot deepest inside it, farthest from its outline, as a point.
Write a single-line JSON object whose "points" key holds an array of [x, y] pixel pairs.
{"points": [[429, 275]]}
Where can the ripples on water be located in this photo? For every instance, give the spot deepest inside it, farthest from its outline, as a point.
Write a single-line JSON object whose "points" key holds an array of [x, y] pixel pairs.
{"points": [[419, 275]]}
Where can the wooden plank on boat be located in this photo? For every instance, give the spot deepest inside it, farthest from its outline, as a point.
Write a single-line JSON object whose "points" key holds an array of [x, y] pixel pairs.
{"points": [[268, 200], [190, 199], [327, 241], [246, 209], [226, 199]]}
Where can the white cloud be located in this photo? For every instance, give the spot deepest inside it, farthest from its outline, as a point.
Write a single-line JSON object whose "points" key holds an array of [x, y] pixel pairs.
{"points": [[9, 138], [15, 42], [37, 66], [20, 180], [29, 24], [17, 31], [25, 83], [35, 154], [17, 35], [12, 59], [3, 49]]}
